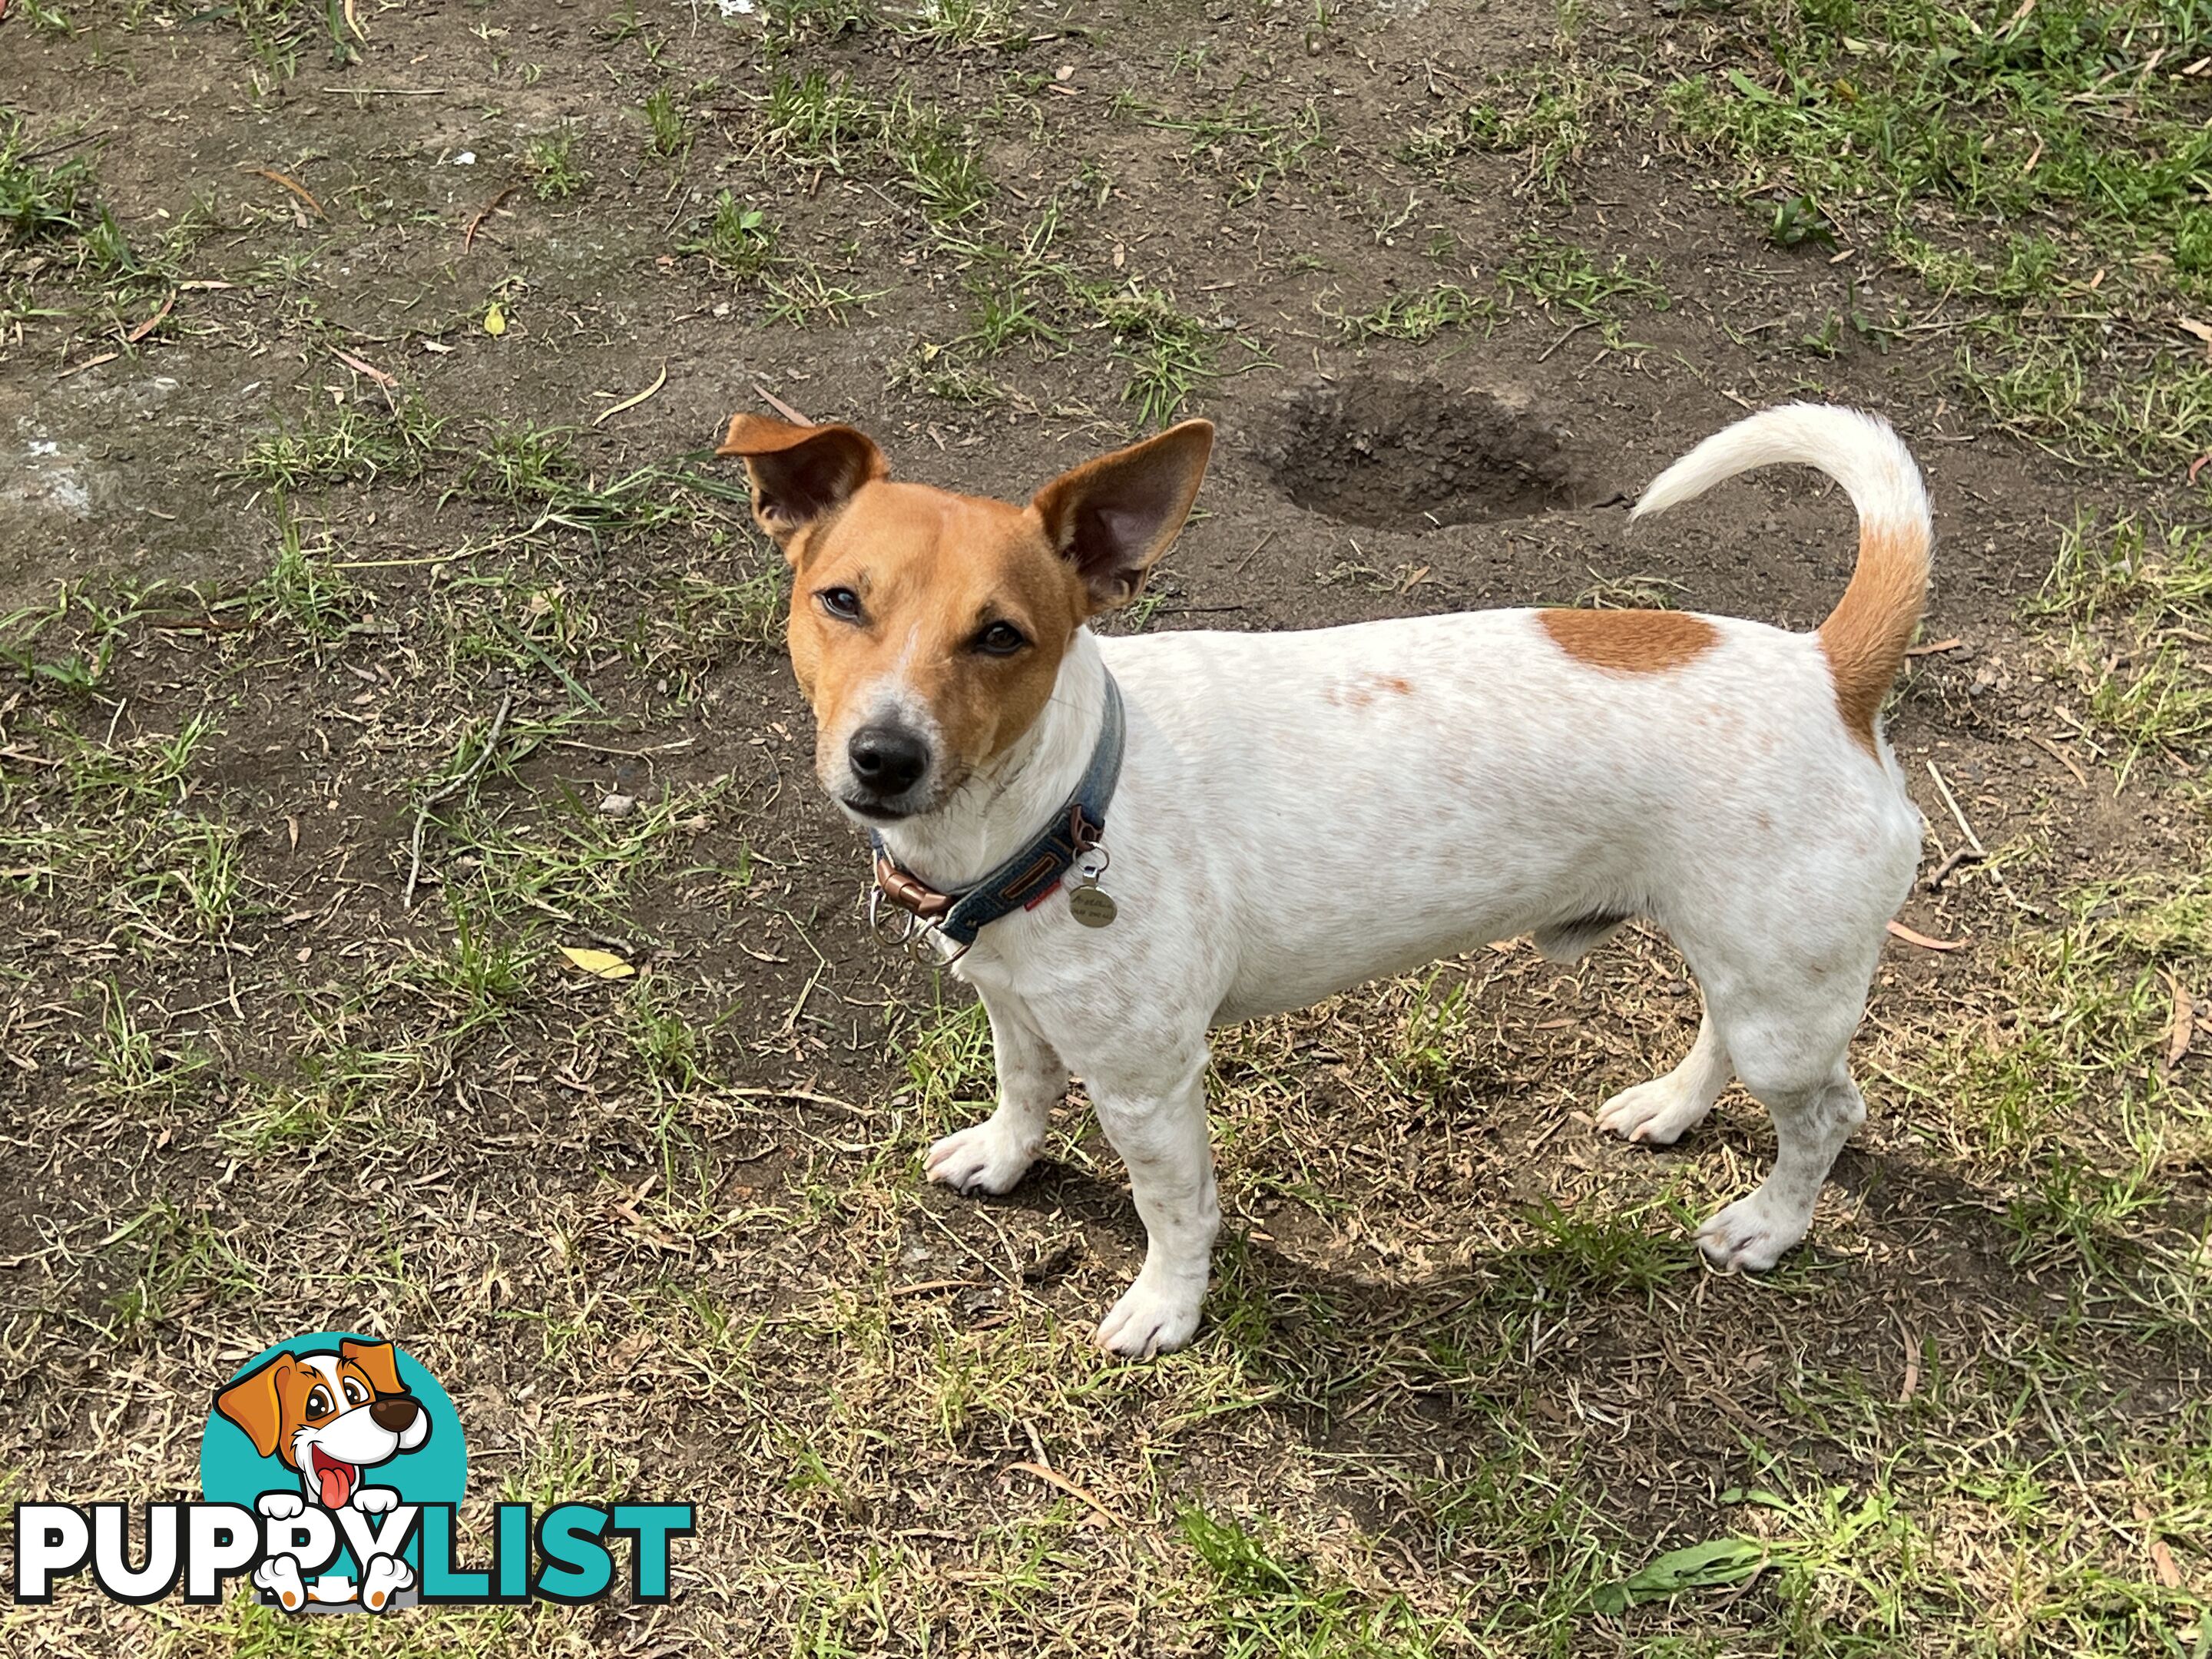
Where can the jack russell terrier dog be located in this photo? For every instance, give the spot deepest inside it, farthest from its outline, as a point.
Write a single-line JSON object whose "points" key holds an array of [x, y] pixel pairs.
{"points": [[1292, 814], [328, 1417]]}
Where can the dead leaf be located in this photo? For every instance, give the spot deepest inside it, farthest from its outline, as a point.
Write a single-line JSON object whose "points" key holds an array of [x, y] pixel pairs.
{"points": [[363, 367], [150, 324], [599, 964], [1925, 943], [1099, 1513], [660, 381], [494, 320], [2161, 1558], [2202, 331], [292, 184], [2185, 1022]]}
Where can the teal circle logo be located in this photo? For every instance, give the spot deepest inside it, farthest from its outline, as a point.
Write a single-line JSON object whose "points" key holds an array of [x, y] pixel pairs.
{"points": [[335, 1440]]}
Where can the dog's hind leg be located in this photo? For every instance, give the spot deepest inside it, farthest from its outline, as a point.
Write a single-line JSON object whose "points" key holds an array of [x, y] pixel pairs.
{"points": [[991, 1156], [1787, 1023], [1811, 1125], [1660, 1112]]}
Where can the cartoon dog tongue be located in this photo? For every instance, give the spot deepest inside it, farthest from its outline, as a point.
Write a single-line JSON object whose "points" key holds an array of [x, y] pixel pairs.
{"points": [[334, 1480]]}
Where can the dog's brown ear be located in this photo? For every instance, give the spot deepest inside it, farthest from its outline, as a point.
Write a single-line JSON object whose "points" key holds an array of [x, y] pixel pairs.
{"points": [[376, 1363], [1112, 518], [799, 473], [254, 1403]]}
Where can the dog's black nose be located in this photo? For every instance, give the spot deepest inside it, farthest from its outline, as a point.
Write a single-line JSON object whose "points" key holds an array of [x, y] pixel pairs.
{"points": [[394, 1412], [886, 759]]}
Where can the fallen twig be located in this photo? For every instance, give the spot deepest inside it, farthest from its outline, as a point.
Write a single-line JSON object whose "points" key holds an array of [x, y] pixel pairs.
{"points": [[469, 236], [1952, 801], [362, 365], [1963, 855], [780, 406], [447, 791], [2060, 756]]}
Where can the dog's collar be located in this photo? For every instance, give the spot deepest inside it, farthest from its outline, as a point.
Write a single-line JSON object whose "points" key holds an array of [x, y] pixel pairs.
{"points": [[1024, 880]]}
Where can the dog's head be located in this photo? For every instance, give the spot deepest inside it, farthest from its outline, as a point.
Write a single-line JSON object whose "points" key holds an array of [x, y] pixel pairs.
{"points": [[328, 1415], [927, 627]]}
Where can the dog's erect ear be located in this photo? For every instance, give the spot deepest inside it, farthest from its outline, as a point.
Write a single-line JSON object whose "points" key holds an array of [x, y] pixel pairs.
{"points": [[376, 1362], [800, 472], [1112, 518], [254, 1405]]}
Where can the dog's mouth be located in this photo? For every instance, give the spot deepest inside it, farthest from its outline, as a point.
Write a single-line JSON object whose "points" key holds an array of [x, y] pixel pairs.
{"points": [[334, 1480], [873, 811]]}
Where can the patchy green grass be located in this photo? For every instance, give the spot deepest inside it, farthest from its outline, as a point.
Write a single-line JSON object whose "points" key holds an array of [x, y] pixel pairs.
{"points": [[2133, 598], [1943, 133], [1548, 118], [334, 443], [738, 238], [1563, 279], [1416, 316], [550, 161]]}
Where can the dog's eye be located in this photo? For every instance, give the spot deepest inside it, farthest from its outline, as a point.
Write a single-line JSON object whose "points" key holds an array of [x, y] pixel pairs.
{"points": [[842, 603], [355, 1394], [318, 1402], [1000, 640]]}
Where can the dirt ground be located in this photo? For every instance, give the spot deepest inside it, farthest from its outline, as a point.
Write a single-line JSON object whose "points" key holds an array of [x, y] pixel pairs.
{"points": [[377, 623]]}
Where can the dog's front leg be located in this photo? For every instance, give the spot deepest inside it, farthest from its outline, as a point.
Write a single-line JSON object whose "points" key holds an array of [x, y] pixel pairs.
{"points": [[990, 1156], [1156, 1119]]}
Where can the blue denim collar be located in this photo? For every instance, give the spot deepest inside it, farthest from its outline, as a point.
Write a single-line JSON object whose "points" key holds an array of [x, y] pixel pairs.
{"points": [[1025, 878]]}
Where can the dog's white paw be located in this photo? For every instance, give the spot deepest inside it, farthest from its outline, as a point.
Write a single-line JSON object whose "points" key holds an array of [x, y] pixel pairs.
{"points": [[1750, 1235], [1150, 1320], [280, 1506], [279, 1574], [387, 1576], [987, 1157], [1655, 1114], [375, 1500]]}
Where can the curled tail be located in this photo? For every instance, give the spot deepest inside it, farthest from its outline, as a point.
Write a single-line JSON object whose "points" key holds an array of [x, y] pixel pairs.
{"points": [[1865, 635]]}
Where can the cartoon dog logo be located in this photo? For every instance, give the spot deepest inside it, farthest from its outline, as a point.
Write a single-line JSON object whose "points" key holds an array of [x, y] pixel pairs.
{"points": [[330, 1417]]}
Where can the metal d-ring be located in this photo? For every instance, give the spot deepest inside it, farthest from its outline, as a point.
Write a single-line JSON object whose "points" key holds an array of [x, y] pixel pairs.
{"points": [[897, 931]]}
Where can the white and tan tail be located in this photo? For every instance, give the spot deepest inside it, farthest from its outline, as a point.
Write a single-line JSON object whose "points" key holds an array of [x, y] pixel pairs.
{"points": [[1866, 635]]}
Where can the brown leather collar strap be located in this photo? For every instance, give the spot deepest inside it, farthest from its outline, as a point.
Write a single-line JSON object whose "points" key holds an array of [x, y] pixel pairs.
{"points": [[915, 897]]}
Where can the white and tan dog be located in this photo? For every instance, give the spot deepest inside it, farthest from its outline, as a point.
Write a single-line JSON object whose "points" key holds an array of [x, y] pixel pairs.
{"points": [[1299, 812]]}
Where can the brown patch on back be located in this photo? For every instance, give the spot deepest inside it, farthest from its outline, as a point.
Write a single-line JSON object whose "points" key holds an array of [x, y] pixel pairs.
{"points": [[1865, 636], [1630, 641], [1362, 691]]}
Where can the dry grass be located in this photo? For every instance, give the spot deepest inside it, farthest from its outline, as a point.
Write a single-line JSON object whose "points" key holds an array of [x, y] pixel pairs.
{"points": [[1464, 1386]]}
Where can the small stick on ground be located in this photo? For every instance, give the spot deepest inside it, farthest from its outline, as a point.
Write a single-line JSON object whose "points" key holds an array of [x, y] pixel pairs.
{"points": [[780, 406], [447, 791], [1959, 856], [469, 236], [1952, 801]]}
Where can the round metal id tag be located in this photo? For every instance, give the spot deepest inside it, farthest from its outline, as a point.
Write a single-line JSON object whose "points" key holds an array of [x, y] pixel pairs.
{"points": [[1087, 902], [1092, 906]]}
